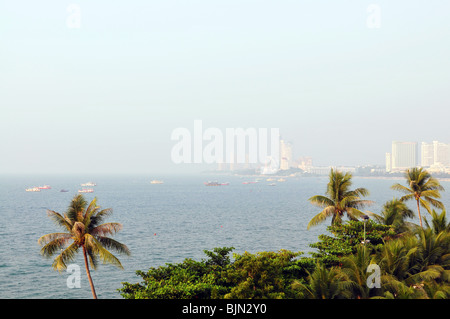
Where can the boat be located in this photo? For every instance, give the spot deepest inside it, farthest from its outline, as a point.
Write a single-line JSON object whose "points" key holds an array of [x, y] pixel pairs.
{"points": [[88, 184], [270, 179], [86, 190], [63, 191], [155, 181], [281, 180], [272, 184], [45, 187], [33, 189], [251, 182], [216, 184]]}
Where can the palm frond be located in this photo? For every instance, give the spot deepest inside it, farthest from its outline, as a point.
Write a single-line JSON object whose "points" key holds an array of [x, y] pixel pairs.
{"points": [[93, 258], [112, 244], [90, 210], [436, 203], [52, 243], [321, 217], [361, 192], [59, 219], [360, 203], [408, 197], [76, 208], [67, 255], [433, 184], [379, 218], [354, 213], [430, 193], [106, 229], [401, 188], [431, 273], [100, 216], [95, 247], [425, 204], [321, 201]]}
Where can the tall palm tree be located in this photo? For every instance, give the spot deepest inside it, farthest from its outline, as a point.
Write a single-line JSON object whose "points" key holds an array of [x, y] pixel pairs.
{"points": [[340, 200], [84, 230], [423, 188]]}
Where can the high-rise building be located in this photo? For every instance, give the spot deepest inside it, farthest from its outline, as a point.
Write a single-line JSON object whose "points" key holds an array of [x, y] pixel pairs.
{"points": [[388, 162], [427, 154], [285, 155], [435, 153], [404, 155], [441, 153]]}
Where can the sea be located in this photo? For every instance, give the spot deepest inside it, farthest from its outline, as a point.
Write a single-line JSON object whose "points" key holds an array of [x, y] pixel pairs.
{"points": [[162, 223]]}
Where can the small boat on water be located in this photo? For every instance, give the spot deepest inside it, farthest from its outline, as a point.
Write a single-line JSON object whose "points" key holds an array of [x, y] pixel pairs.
{"points": [[272, 184], [45, 187], [86, 190], [251, 182], [63, 191], [155, 181], [88, 184], [216, 184], [33, 189]]}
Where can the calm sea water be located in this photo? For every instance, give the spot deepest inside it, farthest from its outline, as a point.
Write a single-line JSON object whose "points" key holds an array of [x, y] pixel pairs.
{"points": [[163, 223]]}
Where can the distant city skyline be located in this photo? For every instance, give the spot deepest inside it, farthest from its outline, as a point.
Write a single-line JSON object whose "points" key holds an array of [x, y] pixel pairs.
{"points": [[99, 86], [434, 156]]}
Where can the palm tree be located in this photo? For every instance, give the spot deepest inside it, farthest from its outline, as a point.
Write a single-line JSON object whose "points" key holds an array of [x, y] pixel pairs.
{"points": [[340, 200], [84, 229], [438, 222], [355, 267], [423, 188], [324, 283], [394, 213], [414, 260]]}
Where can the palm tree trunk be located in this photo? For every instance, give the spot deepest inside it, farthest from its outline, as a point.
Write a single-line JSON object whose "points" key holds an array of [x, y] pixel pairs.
{"points": [[89, 273], [418, 209]]}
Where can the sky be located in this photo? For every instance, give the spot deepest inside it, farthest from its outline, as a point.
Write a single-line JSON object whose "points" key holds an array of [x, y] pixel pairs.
{"points": [[99, 86]]}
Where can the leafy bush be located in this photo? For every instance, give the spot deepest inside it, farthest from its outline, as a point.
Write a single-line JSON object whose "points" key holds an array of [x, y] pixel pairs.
{"points": [[347, 238], [260, 275], [186, 280]]}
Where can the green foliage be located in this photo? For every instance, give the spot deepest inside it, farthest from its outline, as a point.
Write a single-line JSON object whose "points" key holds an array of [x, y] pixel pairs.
{"points": [[83, 230], [348, 237], [422, 188], [186, 280], [395, 213], [323, 283], [341, 200], [261, 275], [83, 227], [412, 262], [415, 265]]}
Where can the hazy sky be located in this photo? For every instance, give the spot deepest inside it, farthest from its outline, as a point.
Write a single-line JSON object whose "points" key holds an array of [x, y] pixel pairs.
{"points": [[105, 97]]}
